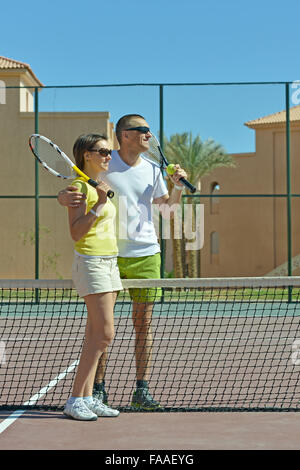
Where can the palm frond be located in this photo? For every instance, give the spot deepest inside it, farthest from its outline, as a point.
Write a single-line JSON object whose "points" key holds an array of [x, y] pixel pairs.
{"points": [[197, 157]]}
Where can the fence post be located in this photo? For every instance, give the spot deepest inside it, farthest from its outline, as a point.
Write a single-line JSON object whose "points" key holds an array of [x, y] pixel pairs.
{"points": [[288, 189], [161, 138], [288, 182], [37, 238]]}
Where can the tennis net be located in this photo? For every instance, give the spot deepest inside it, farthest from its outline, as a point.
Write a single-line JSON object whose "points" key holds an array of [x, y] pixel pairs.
{"points": [[218, 344]]}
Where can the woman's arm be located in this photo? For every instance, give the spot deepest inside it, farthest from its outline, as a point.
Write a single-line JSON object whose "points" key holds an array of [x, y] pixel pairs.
{"points": [[80, 221]]}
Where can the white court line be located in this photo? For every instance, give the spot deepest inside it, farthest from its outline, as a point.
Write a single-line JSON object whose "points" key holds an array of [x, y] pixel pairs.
{"points": [[16, 414]]}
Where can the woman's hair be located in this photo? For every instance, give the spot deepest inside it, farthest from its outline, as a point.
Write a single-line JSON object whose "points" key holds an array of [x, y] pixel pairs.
{"points": [[83, 143]]}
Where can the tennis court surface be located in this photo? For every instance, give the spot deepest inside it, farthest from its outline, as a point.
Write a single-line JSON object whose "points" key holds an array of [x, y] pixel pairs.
{"points": [[218, 344]]}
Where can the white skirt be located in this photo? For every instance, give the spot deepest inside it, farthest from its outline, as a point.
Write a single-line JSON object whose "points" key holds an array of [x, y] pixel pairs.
{"points": [[95, 275]]}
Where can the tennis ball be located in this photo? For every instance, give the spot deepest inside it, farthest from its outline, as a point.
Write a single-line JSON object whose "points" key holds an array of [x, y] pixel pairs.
{"points": [[171, 169]]}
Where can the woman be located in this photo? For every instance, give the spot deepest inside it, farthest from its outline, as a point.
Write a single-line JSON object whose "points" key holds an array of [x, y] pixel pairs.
{"points": [[95, 272]]}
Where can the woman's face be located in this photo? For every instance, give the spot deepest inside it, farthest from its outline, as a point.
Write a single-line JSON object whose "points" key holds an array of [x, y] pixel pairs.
{"points": [[99, 156]]}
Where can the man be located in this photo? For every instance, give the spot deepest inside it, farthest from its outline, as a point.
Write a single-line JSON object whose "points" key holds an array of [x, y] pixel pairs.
{"points": [[137, 183]]}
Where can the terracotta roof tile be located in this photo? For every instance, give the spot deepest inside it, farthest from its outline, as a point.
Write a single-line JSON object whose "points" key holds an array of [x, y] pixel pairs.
{"points": [[276, 118], [9, 64]]}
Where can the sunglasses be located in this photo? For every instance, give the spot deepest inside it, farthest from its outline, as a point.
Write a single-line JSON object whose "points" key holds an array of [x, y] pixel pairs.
{"points": [[102, 152], [142, 129]]}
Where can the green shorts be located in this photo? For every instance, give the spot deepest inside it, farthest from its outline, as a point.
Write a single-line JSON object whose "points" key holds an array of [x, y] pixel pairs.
{"points": [[144, 267]]}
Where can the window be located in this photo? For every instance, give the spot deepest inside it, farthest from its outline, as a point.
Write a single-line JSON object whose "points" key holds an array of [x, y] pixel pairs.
{"points": [[214, 248]]}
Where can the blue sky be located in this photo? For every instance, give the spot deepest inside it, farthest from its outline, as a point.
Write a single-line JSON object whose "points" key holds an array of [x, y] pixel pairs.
{"points": [[161, 41]]}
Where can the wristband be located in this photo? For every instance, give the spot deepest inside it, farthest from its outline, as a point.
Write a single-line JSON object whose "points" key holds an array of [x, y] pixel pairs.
{"points": [[93, 212], [176, 186]]}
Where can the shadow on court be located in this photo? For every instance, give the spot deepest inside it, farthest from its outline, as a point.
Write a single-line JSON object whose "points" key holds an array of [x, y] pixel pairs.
{"points": [[143, 431], [34, 415]]}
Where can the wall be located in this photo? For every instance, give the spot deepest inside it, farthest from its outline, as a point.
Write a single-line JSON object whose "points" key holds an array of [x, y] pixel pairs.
{"points": [[17, 177]]}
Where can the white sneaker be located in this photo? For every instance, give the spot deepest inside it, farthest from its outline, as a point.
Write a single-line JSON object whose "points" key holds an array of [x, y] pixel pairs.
{"points": [[97, 407], [78, 410]]}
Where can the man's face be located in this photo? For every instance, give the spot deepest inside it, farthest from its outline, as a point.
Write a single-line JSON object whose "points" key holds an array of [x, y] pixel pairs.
{"points": [[137, 139]]}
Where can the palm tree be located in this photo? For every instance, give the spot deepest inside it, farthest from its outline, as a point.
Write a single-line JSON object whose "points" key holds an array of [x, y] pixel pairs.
{"points": [[199, 159], [176, 244]]}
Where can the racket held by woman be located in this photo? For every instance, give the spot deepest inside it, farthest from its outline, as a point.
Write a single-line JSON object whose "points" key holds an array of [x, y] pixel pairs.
{"points": [[54, 160]]}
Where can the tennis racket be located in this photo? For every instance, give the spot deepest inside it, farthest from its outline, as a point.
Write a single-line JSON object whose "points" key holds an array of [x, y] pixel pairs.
{"points": [[156, 155], [53, 159]]}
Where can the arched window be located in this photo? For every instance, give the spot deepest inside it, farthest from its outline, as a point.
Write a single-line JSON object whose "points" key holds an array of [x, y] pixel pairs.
{"points": [[2, 92], [214, 201], [214, 248]]}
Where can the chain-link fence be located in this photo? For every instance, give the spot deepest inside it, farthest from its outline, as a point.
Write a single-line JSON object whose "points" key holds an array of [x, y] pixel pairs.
{"points": [[249, 217]]}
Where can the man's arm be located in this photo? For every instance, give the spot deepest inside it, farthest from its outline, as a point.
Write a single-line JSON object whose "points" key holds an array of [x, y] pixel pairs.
{"points": [[170, 199], [175, 197], [71, 197]]}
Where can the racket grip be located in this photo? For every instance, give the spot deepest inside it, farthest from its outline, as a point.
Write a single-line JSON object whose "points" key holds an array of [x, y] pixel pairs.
{"points": [[189, 185], [94, 183]]}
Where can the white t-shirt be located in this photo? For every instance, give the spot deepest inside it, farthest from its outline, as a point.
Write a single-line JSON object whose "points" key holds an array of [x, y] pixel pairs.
{"points": [[135, 188]]}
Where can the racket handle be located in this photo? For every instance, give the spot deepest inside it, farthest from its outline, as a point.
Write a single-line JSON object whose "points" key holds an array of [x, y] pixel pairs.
{"points": [[94, 183], [188, 185]]}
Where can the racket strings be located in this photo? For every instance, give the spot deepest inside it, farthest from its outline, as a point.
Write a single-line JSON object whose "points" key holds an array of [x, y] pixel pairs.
{"points": [[153, 152], [51, 158]]}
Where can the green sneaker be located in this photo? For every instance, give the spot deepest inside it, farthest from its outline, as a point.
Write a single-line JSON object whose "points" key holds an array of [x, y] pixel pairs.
{"points": [[99, 393], [142, 400]]}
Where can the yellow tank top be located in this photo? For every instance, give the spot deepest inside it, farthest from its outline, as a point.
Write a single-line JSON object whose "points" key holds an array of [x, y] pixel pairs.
{"points": [[101, 238]]}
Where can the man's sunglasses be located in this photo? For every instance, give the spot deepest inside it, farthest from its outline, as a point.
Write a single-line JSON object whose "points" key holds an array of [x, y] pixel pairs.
{"points": [[102, 152], [142, 129]]}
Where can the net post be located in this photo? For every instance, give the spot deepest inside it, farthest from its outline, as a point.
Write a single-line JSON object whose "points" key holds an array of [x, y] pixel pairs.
{"points": [[36, 194], [288, 185]]}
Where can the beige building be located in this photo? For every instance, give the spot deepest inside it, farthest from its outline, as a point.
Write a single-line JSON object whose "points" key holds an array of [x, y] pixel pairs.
{"points": [[248, 236], [18, 176], [242, 236]]}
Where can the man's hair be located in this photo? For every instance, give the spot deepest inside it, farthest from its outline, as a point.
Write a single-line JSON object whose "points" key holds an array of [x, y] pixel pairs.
{"points": [[123, 123], [83, 143]]}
